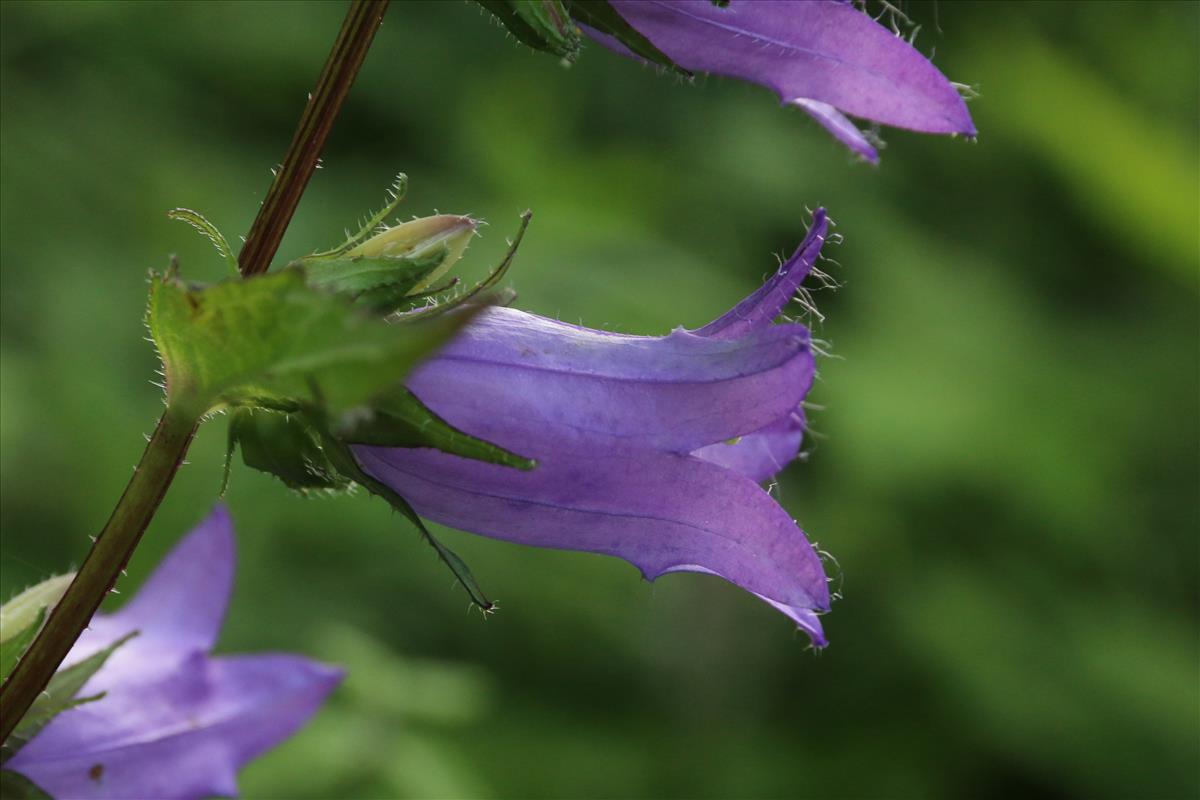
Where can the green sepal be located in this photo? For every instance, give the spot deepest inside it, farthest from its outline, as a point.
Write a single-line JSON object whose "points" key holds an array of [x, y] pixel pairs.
{"points": [[14, 646], [285, 446], [301, 450], [541, 24], [396, 194], [399, 419], [15, 786], [355, 277], [385, 300], [599, 14], [208, 231], [59, 696], [474, 295], [552, 22], [380, 286], [275, 341], [341, 454]]}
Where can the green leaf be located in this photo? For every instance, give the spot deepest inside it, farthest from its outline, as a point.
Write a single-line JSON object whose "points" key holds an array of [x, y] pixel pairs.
{"points": [[603, 17], [400, 419], [541, 24], [208, 231], [285, 446], [59, 695], [273, 341], [13, 647], [15, 786]]}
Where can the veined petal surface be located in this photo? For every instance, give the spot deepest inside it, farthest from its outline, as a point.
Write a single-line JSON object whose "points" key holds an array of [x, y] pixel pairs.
{"points": [[183, 737], [634, 439], [177, 612], [826, 53], [659, 511], [761, 455], [173, 722], [516, 379]]}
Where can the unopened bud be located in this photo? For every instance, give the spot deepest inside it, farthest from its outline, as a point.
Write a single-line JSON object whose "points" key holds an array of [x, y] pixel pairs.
{"points": [[23, 610], [418, 238]]}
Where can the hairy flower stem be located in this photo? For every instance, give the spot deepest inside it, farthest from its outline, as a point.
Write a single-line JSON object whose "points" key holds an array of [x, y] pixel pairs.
{"points": [[304, 152], [165, 452]]}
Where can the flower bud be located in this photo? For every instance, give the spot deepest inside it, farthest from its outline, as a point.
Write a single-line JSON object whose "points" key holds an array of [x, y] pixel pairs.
{"points": [[23, 610], [421, 237]]}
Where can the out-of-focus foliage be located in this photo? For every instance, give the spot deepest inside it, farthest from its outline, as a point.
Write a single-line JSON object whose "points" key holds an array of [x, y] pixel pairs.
{"points": [[1005, 463]]}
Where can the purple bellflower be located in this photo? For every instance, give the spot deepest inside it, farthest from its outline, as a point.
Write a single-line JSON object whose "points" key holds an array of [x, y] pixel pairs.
{"points": [[174, 722], [648, 448], [825, 56]]}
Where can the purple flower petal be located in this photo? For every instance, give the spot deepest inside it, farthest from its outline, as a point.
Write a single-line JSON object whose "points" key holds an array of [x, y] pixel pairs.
{"points": [[629, 434], [184, 736], [828, 57], [173, 722], [766, 303], [762, 454], [840, 126], [514, 379], [178, 611], [659, 511]]}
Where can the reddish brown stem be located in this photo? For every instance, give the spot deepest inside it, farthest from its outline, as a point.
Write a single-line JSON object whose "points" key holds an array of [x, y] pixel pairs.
{"points": [[304, 152]]}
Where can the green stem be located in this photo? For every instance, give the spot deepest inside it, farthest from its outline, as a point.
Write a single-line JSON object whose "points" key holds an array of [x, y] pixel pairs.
{"points": [[108, 556], [165, 452]]}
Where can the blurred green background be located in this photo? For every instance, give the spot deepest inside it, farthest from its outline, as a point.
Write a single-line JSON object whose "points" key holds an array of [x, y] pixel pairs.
{"points": [[1005, 462]]}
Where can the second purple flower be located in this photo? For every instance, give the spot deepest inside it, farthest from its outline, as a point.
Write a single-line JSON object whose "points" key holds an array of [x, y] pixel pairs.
{"points": [[649, 448]]}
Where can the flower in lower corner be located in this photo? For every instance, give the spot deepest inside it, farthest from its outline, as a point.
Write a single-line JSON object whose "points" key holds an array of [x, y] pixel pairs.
{"points": [[651, 449], [826, 57], [174, 722]]}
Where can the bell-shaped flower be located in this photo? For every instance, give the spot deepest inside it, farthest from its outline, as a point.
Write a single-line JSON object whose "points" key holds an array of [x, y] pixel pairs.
{"points": [[648, 448], [173, 722], [824, 56]]}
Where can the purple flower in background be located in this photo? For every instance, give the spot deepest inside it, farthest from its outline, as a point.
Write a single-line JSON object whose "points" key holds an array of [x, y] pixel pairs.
{"points": [[174, 722], [827, 57], [634, 439]]}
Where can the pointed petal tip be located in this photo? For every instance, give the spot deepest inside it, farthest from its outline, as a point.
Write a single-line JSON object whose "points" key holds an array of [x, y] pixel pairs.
{"points": [[820, 220], [321, 676], [331, 675], [218, 528], [806, 617], [807, 620], [840, 126], [816, 635], [805, 255], [179, 609], [766, 303], [830, 58]]}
